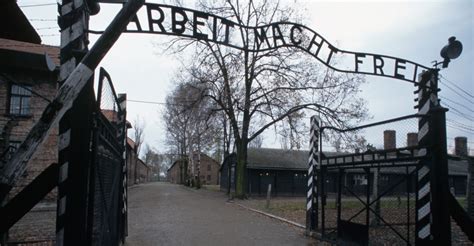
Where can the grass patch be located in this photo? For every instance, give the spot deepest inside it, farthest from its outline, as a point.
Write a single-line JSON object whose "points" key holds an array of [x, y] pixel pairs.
{"points": [[285, 206], [290, 208], [462, 201]]}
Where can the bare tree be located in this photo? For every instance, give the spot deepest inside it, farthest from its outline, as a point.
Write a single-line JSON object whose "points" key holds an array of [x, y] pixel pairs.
{"points": [[138, 134], [257, 142], [177, 123], [153, 160], [138, 137], [191, 124], [167, 160], [276, 87]]}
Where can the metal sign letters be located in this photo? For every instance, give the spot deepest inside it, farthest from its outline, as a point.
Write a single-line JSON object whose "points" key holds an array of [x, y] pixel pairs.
{"points": [[184, 22]]}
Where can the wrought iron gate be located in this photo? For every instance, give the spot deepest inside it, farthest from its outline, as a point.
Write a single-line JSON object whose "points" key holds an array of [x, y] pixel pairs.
{"points": [[107, 196], [370, 193], [397, 194]]}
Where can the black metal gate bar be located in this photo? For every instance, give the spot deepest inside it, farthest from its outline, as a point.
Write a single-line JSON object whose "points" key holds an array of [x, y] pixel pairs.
{"points": [[69, 91], [322, 197], [407, 177], [367, 196], [406, 159], [339, 192], [107, 203], [122, 135], [368, 208]]}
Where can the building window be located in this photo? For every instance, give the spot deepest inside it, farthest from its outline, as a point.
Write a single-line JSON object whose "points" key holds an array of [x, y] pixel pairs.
{"points": [[208, 177], [20, 100], [209, 167]]}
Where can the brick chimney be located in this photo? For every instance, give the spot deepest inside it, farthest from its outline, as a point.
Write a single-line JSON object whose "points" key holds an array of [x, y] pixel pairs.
{"points": [[412, 139], [460, 146], [389, 139]]}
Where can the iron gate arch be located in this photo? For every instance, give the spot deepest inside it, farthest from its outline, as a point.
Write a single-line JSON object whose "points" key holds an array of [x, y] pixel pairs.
{"points": [[73, 20], [428, 98]]}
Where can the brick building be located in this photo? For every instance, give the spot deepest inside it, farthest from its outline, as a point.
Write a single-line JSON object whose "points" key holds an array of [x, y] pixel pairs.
{"points": [[137, 171], [143, 171], [28, 81], [286, 171], [208, 170], [175, 173]]}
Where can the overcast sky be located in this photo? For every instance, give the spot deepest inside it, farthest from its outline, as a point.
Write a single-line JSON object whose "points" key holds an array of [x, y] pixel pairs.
{"points": [[412, 30]]}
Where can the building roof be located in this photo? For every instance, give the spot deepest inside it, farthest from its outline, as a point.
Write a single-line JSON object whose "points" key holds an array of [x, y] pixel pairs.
{"points": [[17, 54], [40, 49], [204, 157], [20, 44], [131, 143], [457, 167], [174, 163], [229, 158], [143, 163], [14, 24], [264, 158], [111, 115], [279, 159]]}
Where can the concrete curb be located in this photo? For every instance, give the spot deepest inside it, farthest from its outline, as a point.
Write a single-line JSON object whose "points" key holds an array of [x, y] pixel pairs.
{"points": [[314, 235], [272, 216]]}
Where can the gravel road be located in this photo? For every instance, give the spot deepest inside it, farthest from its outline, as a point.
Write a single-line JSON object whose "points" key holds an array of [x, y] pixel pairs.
{"points": [[168, 214]]}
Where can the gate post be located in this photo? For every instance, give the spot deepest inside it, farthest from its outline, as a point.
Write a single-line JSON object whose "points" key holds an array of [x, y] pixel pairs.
{"points": [[432, 211], [122, 136], [423, 235], [441, 220], [74, 129], [312, 194]]}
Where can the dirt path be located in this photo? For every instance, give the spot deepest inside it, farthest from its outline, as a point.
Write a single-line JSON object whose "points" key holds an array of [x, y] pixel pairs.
{"points": [[167, 214]]}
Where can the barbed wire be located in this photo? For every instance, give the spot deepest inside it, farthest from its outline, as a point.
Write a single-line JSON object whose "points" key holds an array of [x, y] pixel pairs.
{"points": [[459, 113], [46, 20], [47, 28], [459, 123], [458, 93], [455, 85], [457, 103], [37, 5], [49, 35], [466, 130], [160, 103]]}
